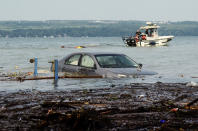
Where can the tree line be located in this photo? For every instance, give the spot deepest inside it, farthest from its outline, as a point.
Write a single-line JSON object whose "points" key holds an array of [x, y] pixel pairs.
{"points": [[77, 28]]}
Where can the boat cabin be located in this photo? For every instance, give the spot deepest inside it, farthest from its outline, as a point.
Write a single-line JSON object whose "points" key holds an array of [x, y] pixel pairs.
{"points": [[150, 29]]}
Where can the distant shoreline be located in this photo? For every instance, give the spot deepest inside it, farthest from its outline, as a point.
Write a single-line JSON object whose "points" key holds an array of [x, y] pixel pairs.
{"points": [[90, 28]]}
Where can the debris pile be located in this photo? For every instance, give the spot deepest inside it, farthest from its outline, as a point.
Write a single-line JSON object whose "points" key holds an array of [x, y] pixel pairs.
{"points": [[157, 106]]}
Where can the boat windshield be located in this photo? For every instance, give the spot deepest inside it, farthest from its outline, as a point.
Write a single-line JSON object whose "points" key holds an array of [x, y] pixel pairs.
{"points": [[115, 61]]}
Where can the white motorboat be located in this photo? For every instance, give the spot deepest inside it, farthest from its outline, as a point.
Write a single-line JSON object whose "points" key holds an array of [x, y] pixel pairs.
{"points": [[147, 36]]}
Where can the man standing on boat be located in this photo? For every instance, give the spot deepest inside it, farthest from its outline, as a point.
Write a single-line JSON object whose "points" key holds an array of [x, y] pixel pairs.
{"points": [[138, 37], [138, 33]]}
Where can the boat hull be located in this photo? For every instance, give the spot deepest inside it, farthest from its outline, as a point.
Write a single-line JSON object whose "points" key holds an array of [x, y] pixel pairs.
{"points": [[150, 41]]}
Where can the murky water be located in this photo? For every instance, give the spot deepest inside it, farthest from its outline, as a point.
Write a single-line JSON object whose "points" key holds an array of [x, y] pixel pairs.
{"points": [[177, 62]]}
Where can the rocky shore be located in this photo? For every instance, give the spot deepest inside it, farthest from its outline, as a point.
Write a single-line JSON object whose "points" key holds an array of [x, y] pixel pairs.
{"points": [[146, 106]]}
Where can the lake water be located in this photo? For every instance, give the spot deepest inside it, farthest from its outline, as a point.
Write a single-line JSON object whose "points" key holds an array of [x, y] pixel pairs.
{"points": [[177, 62]]}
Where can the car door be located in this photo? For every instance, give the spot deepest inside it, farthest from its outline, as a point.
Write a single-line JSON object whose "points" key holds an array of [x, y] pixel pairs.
{"points": [[87, 66], [71, 65]]}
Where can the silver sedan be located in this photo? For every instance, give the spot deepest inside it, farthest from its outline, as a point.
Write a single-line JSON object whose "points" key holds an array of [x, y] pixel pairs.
{"points": [[101, 64]]}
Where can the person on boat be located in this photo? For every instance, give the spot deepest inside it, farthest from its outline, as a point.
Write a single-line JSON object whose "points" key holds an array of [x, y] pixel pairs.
{"points": [[138, 33], [144, 37], [151, 33], [138, 36], [146, 32]]}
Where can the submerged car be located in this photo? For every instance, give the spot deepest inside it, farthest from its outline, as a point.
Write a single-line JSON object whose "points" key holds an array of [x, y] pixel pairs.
{"points": [[101, 64]]}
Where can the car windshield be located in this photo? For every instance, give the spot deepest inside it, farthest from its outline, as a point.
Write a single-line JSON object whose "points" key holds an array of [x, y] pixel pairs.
{"points": [[115, 61]]}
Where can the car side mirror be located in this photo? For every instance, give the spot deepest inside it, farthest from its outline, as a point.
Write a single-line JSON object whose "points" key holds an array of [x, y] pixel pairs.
{"points": [[140, 65]]}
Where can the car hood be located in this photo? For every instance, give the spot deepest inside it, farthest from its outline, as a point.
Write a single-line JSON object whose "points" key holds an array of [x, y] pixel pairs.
{"points": [[129, 71]]}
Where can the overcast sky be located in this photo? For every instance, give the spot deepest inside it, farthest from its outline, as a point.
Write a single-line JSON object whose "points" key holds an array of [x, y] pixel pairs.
{"points": [[148, 10]]}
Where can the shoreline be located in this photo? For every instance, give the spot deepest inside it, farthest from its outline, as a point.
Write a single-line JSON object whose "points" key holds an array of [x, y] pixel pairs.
{"points": [[137, 106]]}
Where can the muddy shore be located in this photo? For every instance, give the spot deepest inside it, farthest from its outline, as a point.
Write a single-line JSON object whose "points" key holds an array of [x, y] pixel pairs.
{"points": [[156, 106]]}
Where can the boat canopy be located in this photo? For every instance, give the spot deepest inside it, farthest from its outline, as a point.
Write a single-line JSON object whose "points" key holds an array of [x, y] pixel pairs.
{"points": [[149, 25]]}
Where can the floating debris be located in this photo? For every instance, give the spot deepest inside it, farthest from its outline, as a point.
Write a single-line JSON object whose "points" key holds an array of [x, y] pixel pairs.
{"points": [[181, 75], [79, 47], [192, 84], [162, 121], [174, 109], [194, 77]]}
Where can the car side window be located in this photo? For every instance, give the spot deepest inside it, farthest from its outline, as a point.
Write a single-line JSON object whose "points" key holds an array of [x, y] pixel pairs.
{"points": [[87, 61], [73, 60]]}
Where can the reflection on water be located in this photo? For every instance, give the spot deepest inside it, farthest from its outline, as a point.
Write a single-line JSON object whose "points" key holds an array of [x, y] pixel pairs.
{"points": [[174, 63]]}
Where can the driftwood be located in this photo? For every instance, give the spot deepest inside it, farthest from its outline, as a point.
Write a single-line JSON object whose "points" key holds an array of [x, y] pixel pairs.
{"points": [[192, 102], [21, 79], [60, 77]]}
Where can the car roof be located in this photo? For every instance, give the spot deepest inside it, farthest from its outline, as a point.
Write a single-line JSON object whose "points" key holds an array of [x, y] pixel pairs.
{"points": [[90, 53], [96, 53]]}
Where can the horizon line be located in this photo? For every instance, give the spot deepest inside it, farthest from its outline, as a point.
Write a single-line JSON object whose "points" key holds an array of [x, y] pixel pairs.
{"points": [[101, 20]]}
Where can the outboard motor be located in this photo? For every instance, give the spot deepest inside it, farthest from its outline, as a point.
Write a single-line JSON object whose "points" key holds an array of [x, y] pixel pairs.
{"points": [[131, 42]]}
